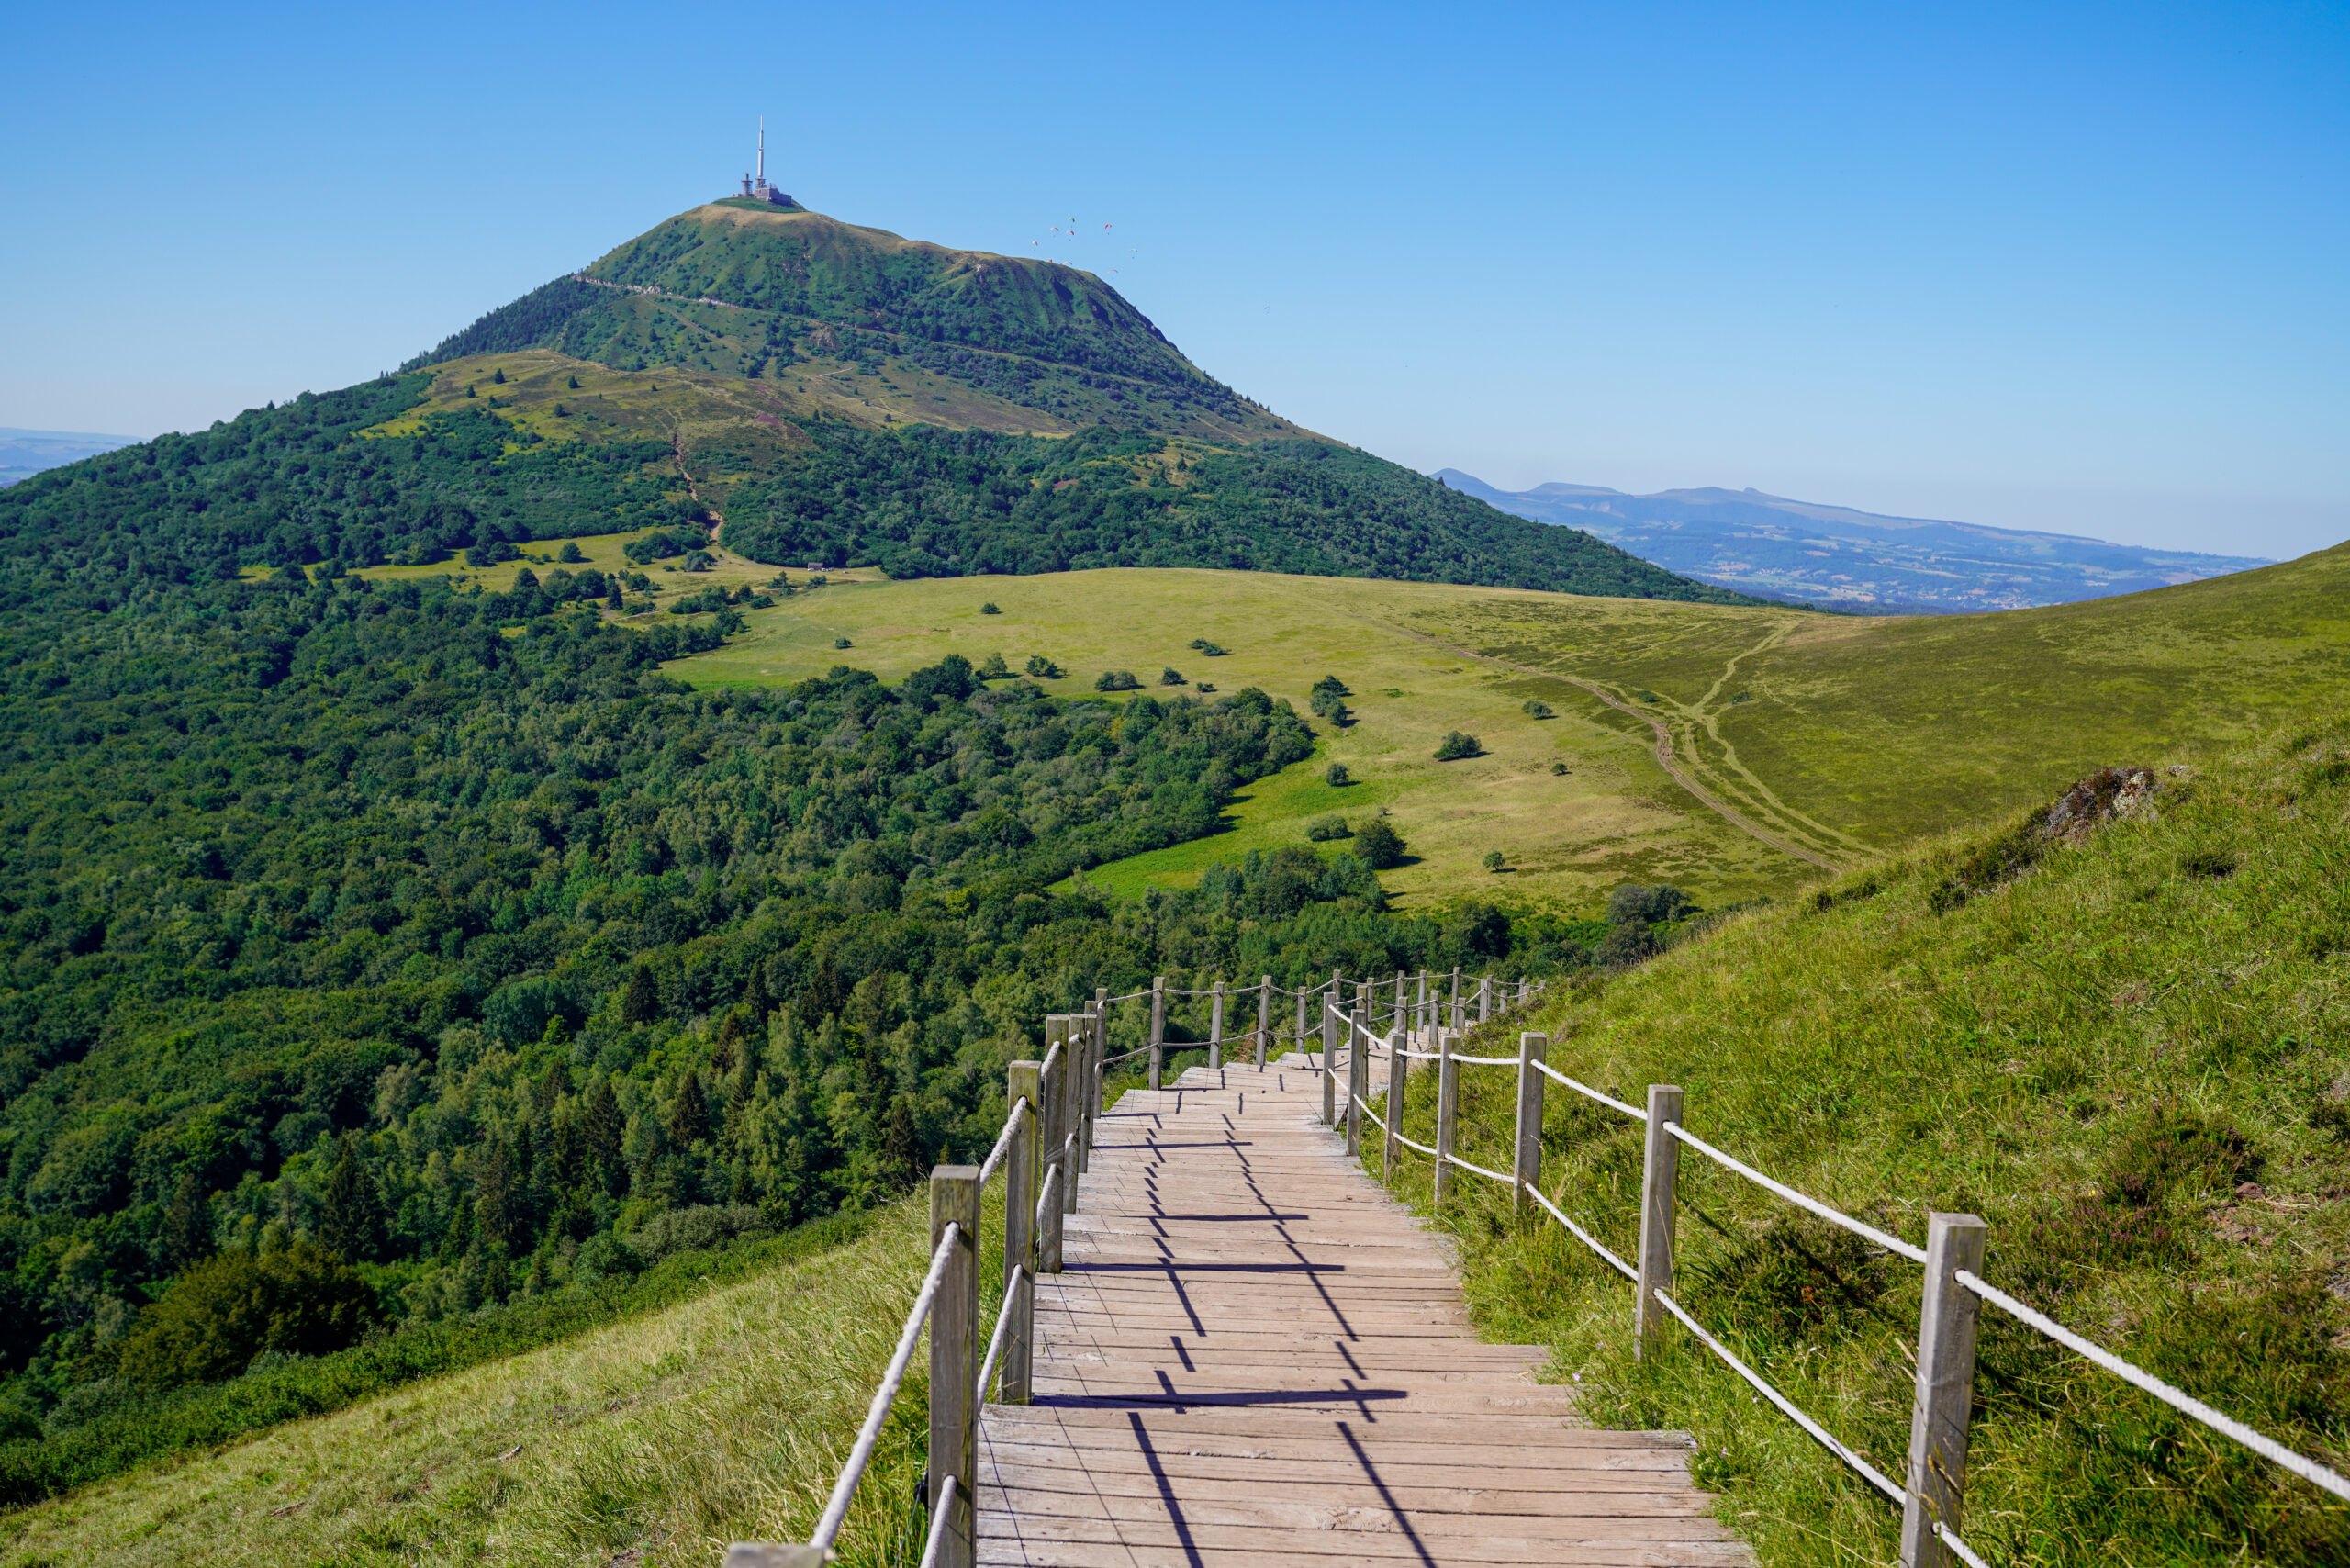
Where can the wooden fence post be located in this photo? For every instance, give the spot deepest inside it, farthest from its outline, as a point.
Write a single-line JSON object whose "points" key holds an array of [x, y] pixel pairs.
{"points": [[1398, 1042], [1532, 1048], [1215, 1029], [1657, 1176], [1420, 1008], [1937, 1490], [1067, 1030], [1158, 1028], [1264, 1015], [1299, 1038], [1397, 1022], [1448, 1108], [954, 1329], [1330, 1061], [1358, 1081], [1484, 998], [1097, 1066], [1460, 1014], [1019, 1229]]}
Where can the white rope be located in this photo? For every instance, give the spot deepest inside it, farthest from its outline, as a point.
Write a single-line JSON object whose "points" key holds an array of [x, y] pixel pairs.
{"points": [[1003, 1142], [938, 1513], [2266, 1448], [1124, 1055], [845, 1489], [1491, 1175], [1003, 1326], [1589, 1092], [1486, 1061], [1890, 1243], [1422, 1147], [1583, 1236], [1364, 1106], [1786, 1407]]}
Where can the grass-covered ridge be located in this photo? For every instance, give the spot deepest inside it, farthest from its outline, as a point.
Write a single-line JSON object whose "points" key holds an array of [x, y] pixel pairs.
{"points": [[2128, 1056]]}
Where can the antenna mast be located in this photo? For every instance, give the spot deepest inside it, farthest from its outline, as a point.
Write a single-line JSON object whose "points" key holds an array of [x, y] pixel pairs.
{"points": [[762, 150]]}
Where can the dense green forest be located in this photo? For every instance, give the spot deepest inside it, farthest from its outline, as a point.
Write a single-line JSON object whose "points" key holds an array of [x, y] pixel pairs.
{"points": [[411, 951], [927, 502]]}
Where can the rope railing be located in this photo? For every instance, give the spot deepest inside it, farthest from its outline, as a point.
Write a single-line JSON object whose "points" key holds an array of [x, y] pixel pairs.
{"points": [[1931, 1501], [1041, 1155]]}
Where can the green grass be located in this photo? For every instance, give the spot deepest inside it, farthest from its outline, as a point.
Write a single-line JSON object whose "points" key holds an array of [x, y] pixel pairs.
{"points": [[1857, 735], [2091, 1055], [651, 1443], [1615, 817], [226, 1412]]}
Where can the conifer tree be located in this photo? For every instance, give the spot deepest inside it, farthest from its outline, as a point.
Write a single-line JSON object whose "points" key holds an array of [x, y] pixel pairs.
{"points": [[756, 1000], [498, 1217], [604, 1130], [351, 1223], [901, 1151], [187, 1224], [643, 1002], [689, 1112]]}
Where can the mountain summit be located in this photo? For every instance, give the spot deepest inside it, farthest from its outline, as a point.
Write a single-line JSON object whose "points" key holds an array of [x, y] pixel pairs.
{"points": [[742, 287]]}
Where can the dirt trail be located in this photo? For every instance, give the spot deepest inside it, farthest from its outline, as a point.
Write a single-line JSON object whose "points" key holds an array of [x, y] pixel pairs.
{"points": [[1664, 755]]}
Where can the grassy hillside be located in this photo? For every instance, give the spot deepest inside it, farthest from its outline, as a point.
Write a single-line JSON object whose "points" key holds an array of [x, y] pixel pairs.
{"points": [[2130, 1057], [651, 1443], [1613, 816], [1854, 735]]}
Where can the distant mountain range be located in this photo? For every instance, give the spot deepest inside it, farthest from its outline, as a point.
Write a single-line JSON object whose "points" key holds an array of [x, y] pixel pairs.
{"points": [[1845, 559], [25, 452]]}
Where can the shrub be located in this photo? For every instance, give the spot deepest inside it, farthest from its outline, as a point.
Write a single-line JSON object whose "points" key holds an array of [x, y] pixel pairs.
{"points": [[842, 643], [1380, 846], [1496, 860], [604, 1255], [1203, 687], [570, 554], [1322, 829], [1115, 680], [229, 1308], [1328, 700], [1170, 677], [1456, 745], [698, 560], [995, 668], [1041, 667], [1557, 770], [1336, 775], [990, 609], [1537, 710]]}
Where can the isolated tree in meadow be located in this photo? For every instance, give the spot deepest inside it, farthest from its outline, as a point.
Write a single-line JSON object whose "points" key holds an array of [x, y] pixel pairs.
{"points": [[990, 609], [1336, 775], [1456, 745], [1115, 680], [995, 668], [1170, 677], [1329, 701], [1537, 709], [1496, 860], [1379, 845], [1041, 667]]}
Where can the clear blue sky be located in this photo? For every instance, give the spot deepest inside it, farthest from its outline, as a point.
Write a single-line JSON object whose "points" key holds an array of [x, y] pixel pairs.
{"points": [[2072, 267]]}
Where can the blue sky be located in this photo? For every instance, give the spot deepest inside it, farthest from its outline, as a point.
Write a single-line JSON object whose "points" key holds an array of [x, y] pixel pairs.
{"points": [[2068, 267]]}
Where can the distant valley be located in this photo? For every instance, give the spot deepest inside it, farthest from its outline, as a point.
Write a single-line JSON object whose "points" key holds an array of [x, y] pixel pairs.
{"points": [[1839, 557], [24, 454]]}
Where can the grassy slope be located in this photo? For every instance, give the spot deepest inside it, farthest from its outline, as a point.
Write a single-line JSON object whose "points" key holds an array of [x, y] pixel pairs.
{"points": [[2017, 1058], [721, 1420], [1615, 817], [1860, 734]]}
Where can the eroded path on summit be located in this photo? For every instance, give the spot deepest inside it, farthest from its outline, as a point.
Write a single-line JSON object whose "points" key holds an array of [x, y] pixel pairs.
{"points": [[1254, 1355]]}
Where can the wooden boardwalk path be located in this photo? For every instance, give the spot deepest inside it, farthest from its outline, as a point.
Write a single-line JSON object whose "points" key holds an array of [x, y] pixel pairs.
{"points": [[1253, 1356]]}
